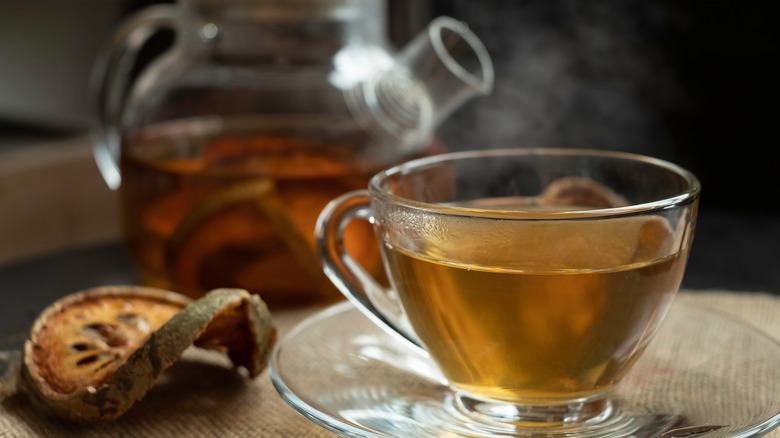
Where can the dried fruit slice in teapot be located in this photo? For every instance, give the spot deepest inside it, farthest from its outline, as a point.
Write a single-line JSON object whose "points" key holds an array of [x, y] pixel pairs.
{"points": [[91, 355], [244, 237], [218, 237]]}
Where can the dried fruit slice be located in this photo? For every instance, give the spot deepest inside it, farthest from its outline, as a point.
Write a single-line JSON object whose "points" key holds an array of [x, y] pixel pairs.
{"points": [[238, 237], [93, 354], [226, 223], [81, 339]]}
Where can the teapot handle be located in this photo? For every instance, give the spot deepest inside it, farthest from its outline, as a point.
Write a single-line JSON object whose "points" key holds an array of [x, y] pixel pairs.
{"points": [[110, 78]]}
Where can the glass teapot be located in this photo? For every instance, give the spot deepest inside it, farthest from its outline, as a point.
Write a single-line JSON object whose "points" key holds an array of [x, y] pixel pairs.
{"points": [[226, 147]]}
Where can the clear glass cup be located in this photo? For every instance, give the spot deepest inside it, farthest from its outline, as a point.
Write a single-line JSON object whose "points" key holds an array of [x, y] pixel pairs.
{"points": [[534, 278]]}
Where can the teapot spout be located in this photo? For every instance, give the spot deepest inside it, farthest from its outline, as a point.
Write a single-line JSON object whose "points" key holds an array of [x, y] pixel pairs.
{"points": [[451, 64], [441, 69]]}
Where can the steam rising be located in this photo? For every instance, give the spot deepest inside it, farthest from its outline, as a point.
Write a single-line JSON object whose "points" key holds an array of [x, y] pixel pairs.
{"points": [[570, 74]]}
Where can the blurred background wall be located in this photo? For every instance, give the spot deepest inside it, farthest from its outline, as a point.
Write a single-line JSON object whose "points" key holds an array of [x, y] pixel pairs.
{"points": [[47, 48]]}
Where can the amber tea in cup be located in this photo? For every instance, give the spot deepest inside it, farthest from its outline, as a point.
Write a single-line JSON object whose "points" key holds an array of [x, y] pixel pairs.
{"points": [[533, 278], [502, 326]]}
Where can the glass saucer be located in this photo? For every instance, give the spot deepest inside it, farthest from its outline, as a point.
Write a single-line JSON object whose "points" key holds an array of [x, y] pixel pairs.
{"points": [[704, 375]]}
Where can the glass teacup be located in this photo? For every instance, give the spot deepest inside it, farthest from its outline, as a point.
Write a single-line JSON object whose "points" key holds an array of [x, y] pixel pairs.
{"points": [[533, 278]]}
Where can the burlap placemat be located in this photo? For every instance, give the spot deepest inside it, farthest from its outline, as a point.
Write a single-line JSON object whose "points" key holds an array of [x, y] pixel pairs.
{"points": [[206, 399]]}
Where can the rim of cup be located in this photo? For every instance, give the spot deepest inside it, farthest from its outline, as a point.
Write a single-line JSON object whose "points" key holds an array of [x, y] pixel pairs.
{"points": [[685, 197]]}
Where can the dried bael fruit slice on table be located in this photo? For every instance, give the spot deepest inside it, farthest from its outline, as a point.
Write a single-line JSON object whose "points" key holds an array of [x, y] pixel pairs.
{"points": [[91, 355]]}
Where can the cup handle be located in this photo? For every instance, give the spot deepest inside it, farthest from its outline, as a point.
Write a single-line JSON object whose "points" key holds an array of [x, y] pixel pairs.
{"points": [[110, 79], [379, 304]]}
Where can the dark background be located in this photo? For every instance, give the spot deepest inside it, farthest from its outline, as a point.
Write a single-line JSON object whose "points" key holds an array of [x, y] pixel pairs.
{"points": [[692, 82], [688, 81]]}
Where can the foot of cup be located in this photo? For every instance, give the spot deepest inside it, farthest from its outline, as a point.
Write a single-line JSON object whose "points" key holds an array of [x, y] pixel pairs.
{"points": [[486, 411], [593, 418]]}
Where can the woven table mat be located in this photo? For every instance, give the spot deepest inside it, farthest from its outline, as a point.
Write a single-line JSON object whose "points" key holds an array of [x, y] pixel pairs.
{"points": [[205, 398]]}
